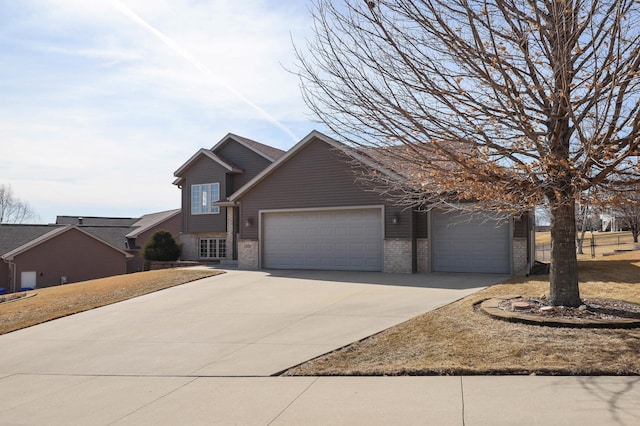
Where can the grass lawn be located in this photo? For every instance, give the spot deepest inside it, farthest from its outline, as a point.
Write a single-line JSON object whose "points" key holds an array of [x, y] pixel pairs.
{"points": [[56, 302], [606, 242], [455, 339], [601, 238]]}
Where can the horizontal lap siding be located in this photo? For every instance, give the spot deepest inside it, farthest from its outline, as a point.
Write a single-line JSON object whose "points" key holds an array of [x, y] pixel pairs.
{"points": [[421, 224], [521, 226], [244, 158], [204, 170], [316, 176], [73, 254]]}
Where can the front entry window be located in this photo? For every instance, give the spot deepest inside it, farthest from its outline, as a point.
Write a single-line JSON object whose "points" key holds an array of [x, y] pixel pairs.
{"points": [[213, 248]]}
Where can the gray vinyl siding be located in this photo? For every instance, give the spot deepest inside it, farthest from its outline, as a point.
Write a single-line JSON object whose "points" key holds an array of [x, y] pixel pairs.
{"points": [[244, 158], [205, 170], [521, 226], [316, 176], [421, 224]]}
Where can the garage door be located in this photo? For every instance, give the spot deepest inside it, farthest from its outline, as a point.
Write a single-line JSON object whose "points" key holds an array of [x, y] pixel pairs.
{"points": [[469, 244], [326, 239]]}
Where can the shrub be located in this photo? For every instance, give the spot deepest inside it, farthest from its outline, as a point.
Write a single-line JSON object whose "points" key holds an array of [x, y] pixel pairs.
{"points": [[162, 247]]}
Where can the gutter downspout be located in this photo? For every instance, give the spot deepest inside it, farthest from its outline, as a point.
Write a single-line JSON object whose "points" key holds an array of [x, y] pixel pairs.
{"points": [[12, 275]]}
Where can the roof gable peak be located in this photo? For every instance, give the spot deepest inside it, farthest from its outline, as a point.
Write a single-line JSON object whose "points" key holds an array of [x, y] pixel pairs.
{"points": [[209, 154], [266, 151]]}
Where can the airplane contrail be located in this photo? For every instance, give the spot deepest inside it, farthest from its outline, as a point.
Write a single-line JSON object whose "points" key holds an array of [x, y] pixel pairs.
{"points": [[199, 65]]}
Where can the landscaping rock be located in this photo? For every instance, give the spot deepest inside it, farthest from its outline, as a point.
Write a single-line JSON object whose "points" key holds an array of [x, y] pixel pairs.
{"points": [[520, 305]]}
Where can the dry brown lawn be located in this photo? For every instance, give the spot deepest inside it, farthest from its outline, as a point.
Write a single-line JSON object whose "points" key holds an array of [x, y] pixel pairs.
{"points": [[456, 339], [606, 242], [56, 302], [601, 238]]}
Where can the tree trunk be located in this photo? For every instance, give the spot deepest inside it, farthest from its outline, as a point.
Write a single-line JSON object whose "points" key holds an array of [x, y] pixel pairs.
{"points": [[563, 275]]}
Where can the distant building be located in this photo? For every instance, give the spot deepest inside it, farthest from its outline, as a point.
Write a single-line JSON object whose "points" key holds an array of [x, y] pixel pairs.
{"points": [[76, 248]]}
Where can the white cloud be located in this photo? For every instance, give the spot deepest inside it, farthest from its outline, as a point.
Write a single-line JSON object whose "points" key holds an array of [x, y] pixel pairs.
{"points": [[97, 112]]}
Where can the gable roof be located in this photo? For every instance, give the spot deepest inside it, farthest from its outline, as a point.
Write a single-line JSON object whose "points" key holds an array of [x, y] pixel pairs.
{"points": [[209, 154], [148, 221], [13, 236], [52, 234], [314, 135], [266, 151], [95, 220], [113, 235]]}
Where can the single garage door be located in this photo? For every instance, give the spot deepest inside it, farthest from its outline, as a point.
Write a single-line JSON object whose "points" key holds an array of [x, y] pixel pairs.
{"points": [[325, 239], [462, 243]]}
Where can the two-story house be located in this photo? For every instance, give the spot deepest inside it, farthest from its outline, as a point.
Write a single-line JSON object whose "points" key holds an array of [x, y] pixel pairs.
{"points": [[307, 209], [209, 225]]}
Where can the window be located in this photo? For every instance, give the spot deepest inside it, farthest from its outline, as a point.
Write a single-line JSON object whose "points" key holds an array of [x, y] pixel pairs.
{"points": [[213, 248], [203, 196]]}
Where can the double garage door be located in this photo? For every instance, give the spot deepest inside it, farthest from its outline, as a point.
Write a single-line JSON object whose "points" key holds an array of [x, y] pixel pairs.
{"points": [[463, 243], [349, 239]]}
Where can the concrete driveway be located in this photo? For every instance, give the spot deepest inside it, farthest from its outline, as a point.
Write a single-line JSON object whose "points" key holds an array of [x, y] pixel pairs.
{"points": [[149, 361], [236, 324]]}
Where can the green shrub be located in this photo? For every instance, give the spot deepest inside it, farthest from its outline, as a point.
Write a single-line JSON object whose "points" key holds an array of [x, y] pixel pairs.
{"points": [[162, 247]]}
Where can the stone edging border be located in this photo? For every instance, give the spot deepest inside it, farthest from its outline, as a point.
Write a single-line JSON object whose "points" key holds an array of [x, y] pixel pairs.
{"points": [[490, 307], [28, 295]]}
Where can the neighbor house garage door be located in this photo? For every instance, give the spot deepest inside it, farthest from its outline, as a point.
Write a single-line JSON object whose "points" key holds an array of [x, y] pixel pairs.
{"points": [[469, 244], [324, 239]]}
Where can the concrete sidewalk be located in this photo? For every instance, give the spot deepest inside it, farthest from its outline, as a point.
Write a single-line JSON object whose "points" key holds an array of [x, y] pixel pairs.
{"points": [[514, 400]]}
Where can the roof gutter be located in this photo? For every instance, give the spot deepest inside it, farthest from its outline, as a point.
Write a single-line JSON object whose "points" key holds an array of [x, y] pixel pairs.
{"points": [[226, 203]]}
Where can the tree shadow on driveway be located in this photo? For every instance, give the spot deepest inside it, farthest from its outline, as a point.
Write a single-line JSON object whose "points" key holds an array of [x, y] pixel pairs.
{"points": [[448, 281]]}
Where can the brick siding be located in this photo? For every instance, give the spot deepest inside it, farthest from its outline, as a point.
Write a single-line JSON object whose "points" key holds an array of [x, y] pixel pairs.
{"points": [[248, 254], [520, 266], [230, 235], [422, 254], [397, 256], [191, 247]]}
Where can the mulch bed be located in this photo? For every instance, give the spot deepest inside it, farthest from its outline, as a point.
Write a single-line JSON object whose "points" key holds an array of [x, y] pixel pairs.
{"points": [[592, 309], [593, 313]]}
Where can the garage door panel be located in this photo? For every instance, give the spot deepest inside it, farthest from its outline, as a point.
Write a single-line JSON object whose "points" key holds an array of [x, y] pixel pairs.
{"points": [[340, 240], [462, 243]]}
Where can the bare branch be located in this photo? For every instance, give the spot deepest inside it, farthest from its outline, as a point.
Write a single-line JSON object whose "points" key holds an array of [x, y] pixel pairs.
{"points": [[509, 103], [12, 209]]}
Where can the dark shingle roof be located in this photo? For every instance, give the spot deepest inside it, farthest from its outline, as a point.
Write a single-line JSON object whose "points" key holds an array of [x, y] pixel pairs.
{"points": [[111, 230], [95, 221], [13, 236], [112, 235], [266, 150]]}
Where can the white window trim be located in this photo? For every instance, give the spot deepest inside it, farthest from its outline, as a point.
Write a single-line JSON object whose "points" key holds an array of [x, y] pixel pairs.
{"points": [[220, 245]]}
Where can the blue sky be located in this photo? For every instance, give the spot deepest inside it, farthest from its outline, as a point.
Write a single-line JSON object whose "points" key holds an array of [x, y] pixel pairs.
{"points": [[102, 100]]}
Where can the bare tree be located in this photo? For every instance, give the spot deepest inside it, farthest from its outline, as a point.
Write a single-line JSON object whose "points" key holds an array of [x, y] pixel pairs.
{"points": [[510, 103], [12, 209], [629, 213]]}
